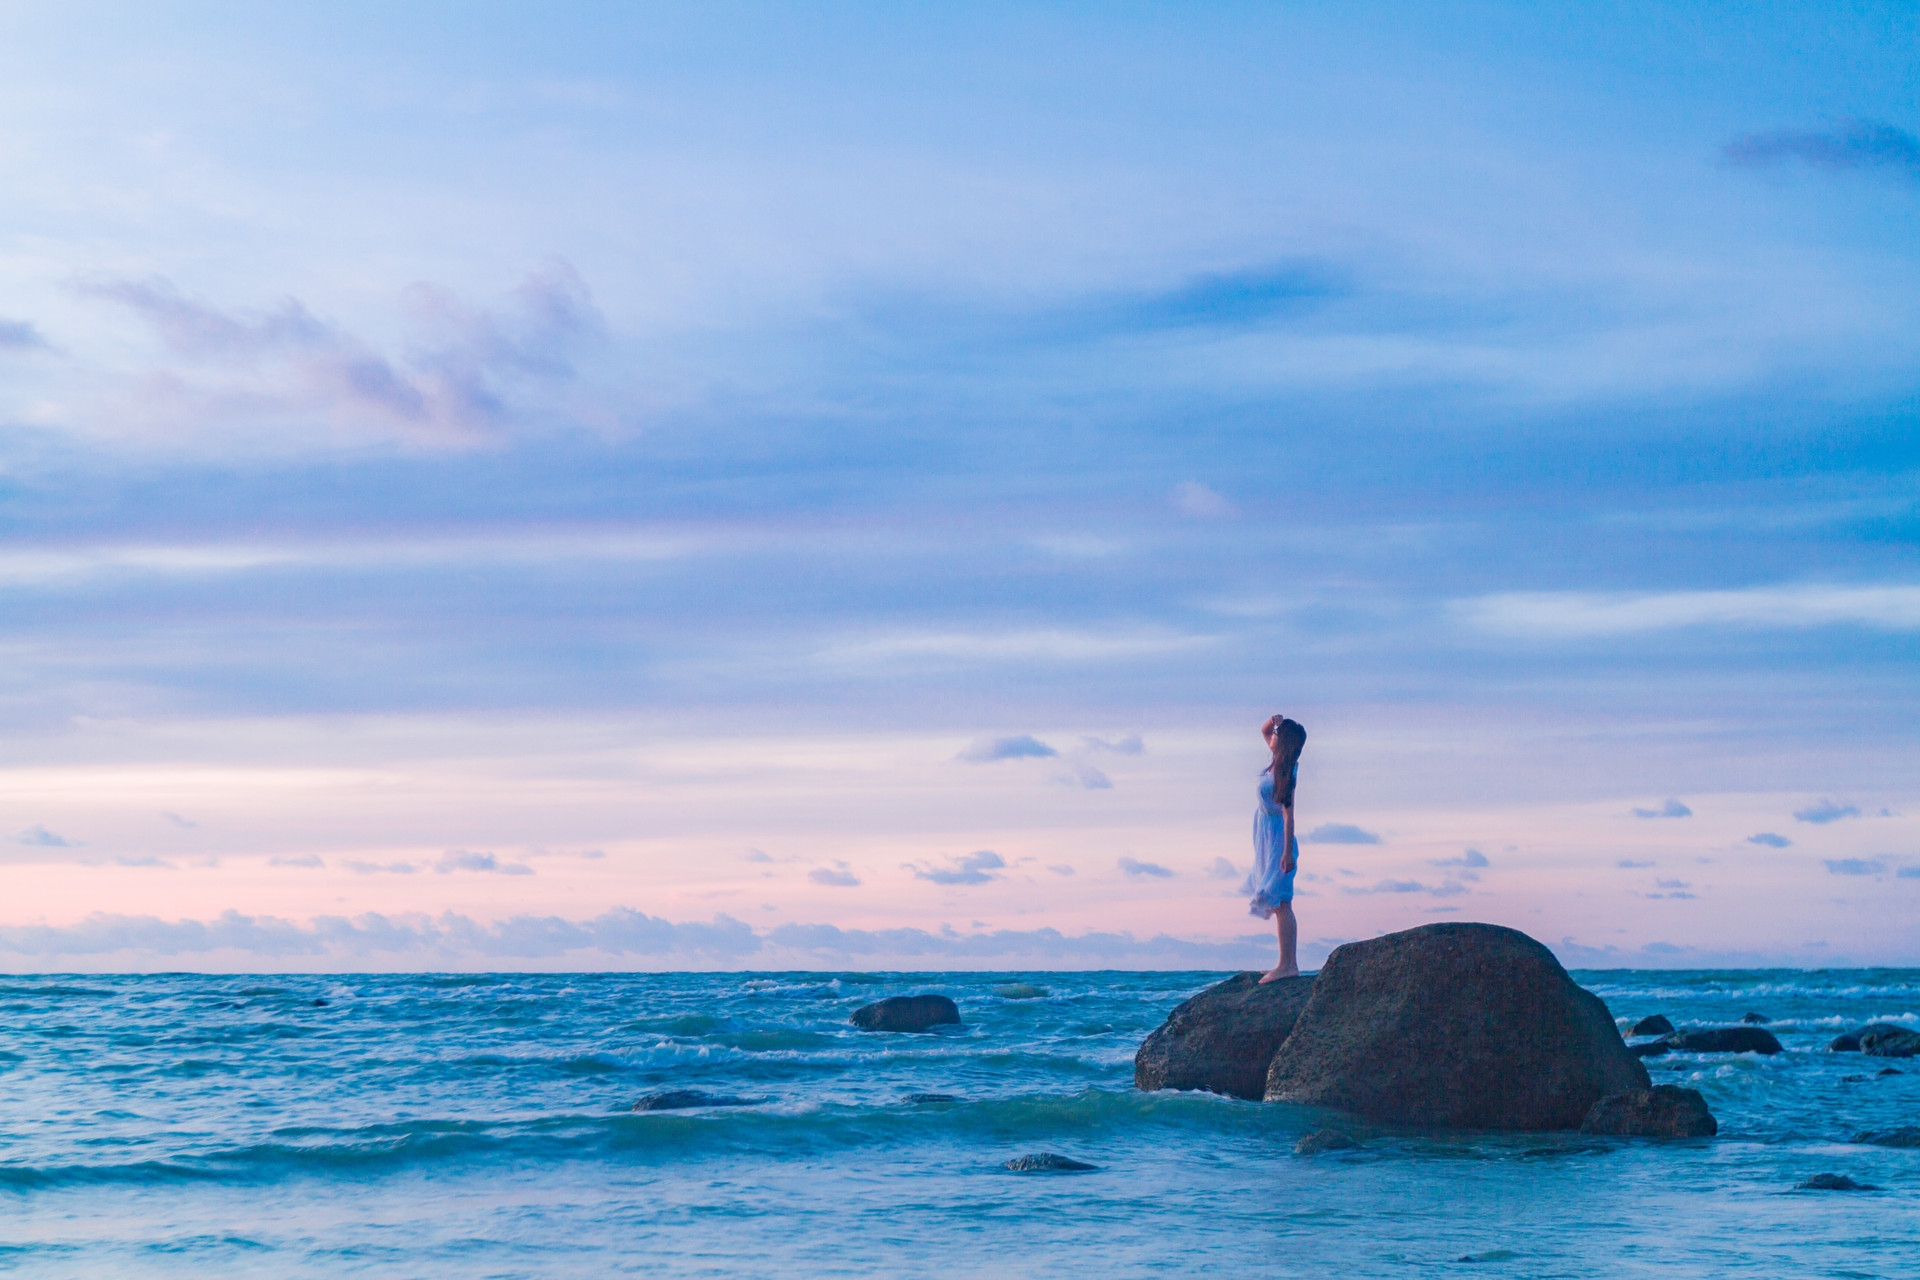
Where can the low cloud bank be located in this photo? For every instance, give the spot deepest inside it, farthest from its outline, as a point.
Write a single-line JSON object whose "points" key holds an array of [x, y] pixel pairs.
{"points": [[620, 938]]}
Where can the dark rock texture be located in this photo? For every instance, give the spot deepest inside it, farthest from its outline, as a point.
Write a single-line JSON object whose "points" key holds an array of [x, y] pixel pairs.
{"points": [[1725, 1040], [1457, 1026], [1755, 1019], [684, 1099], [1847, 1042], [1905, 1136], [1222, 1039], [907, 1013], [1890, 1042], [1048, 1162], [1833, 1182], [920, 1099], [1651, 1049], [1889, 1071], [1664, 1111], [1323, 1140], [1879, 1032], [1656, 1025]]}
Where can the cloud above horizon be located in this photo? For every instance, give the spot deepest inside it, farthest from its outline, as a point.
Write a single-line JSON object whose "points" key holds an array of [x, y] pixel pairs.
{"points": [[1340, 833], [1855, 144]]}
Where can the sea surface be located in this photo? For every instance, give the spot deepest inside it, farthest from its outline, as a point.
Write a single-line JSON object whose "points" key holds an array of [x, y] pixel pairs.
{"points": [[475, 1126]]}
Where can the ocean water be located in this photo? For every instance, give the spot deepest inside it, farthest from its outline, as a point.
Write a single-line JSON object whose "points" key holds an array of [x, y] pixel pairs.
{"points": [[473, 1126]]}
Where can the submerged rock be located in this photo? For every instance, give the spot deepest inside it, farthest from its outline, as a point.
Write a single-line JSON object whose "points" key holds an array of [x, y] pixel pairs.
{"points": [[1855, 1041], [1755, 1019], [1323, 1140], [1655, 1025], [907, 1013], [1021, 991], [1905, 1136], [1846, 1042], [1651, 1049], [1889, 1071], [686, 1099], [1456, 1026], [1222, 1039], [1890, 1042], [1833, 1182], [1048, 1162], [918, 1098], [1664, 1111], [1726, 1040]]}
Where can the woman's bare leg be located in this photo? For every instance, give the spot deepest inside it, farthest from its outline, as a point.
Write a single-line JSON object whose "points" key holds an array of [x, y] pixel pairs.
{"points": [[1289, 930]]}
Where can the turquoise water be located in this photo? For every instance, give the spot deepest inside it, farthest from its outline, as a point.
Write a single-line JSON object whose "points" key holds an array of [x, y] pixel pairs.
{"points": [[425, 1126]]}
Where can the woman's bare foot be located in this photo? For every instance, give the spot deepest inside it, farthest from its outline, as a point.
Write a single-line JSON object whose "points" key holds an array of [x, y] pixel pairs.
{"points": [[1274, 975]]}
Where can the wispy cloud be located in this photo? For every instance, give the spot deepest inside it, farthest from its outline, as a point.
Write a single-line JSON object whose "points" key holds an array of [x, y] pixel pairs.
{"points": [[40, 838], [185, 824], [362, 868], [1583, 615], [1191, 498], [19, 335], [1221, 869], [1466, 867], [1856, 866], [1129, 745], [1135, 868], [837, 876], [1633, 863], [1769, 839], [1022, 746], [1671, 809], [1855, 144], [1445, 889], [977, 867], [1824, 812], [308, 861], [1340, 833], [467, 860]]}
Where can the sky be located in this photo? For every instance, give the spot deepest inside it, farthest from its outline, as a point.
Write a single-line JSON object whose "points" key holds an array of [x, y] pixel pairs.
{"points": [[840, 486]]}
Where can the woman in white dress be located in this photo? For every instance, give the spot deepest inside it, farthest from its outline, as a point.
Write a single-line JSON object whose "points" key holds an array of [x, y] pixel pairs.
{"points": [[1276, 853]]}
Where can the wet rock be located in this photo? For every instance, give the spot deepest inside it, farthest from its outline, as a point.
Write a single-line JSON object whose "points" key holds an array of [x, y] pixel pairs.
{"points": [[1755, 1019], [1048, 1162], [907, 1013], [1021, 991], [1222, 1039], [321, 1004], [1833, 1182], [1889, 1071], [1846, 1042], [1890, 1042], [1664, 1111], [1852, 1079], [1905, 1136], [1650, 1049], [1454, 1026], [686, 1099], [1855, 1041], [1725, 1040], [1323, 1140], [1656, 1025], [918, 1098]]}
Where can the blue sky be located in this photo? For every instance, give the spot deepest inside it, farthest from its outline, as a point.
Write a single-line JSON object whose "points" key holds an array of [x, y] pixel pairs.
{"points": [[632, 439]]}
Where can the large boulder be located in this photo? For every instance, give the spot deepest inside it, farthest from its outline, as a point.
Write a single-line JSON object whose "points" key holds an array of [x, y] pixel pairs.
{"points": [[1890, 1042], [1653, 1025], [1849, 1042], [1456, 1026], [1664, 1111], [1222, 1039], [1725, 1040], [907, 1013]]}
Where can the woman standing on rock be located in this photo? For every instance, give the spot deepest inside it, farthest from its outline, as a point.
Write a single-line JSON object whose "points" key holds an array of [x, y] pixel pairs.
{"points": [[1276, 853]]}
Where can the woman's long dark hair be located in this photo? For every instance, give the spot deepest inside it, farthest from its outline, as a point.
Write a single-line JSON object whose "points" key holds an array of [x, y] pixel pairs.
{"points": [[1292, 737]]}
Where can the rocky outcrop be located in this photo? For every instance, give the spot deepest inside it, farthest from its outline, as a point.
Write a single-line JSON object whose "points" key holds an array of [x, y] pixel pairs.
{"points": [[1756, 1019], [1048, 1162], [1725, 1040], [1890, 1042], [1664, 1111], [1323, 1140], [1650, 1049], [687, 1099], [1460, 1026], [1905, 1136], [907, 1013], [1223, 1039], [1655, 1025], [1833, 1182]]}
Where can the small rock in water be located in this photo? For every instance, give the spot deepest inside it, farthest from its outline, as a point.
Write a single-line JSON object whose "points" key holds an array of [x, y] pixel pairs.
{"points": [[1833, 1182], [1889, 1071], [1657, 1025], [907, 1013], [1851, 1079], [1755, 1018], [1726, 1040], [1651, 1049], [1491, 1255], [1844, 1043], [1664, 1111], [1890, 1042], [321, 1004], [918, 1098], [1905, 1136], [1048, 1162], [684, 1099], [1021, 991], [1863, 1040], [1323, 1140]]}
